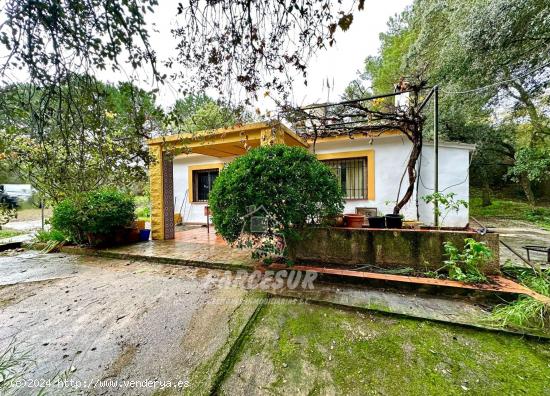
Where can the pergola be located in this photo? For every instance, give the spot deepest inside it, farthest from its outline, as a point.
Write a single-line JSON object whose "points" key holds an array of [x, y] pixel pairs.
{"points": [[220, 143]]}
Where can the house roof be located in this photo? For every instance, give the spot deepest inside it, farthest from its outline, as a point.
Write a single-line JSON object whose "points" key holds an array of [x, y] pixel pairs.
{"points": [[231, 141], [216, 133], [449, 144]]}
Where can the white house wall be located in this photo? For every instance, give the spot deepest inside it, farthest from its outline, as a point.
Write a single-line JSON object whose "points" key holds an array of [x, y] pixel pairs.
{"points": [[191, 212], [454, 163], [390, 159], [390, 156]]}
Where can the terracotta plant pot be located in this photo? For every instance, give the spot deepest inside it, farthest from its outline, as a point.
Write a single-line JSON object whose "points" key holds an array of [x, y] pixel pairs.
{"points": [[132, 235], [139, 224], [336, 221], [339, 221], [353, 220]]}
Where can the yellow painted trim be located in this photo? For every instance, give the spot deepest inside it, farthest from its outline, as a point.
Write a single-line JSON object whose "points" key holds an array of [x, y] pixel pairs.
{"points": [[208, 133], [294, 136], [192, 168], [369, 154], [228, 135]]}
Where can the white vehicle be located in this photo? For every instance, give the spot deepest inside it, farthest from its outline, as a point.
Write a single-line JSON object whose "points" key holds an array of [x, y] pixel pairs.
{"points": [[19, 191]]}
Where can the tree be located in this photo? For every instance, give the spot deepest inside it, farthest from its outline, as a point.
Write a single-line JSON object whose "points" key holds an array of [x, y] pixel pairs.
{"points": [[500, 46], [76, 137], [370, 117], [200, 112], [257, 44], [52, 39]]}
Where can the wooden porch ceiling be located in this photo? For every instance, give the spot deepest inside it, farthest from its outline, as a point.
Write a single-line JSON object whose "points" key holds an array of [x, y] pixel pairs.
{"points": [[224, 149], [229, 142]]}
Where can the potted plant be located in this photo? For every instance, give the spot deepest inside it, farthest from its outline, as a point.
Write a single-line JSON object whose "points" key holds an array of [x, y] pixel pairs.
{"points": [[377, 222], [394, 220], [354, 220], [102, 217]]}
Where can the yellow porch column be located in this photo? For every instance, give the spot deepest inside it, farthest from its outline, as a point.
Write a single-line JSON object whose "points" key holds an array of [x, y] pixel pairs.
{"points": [[157, 192]]}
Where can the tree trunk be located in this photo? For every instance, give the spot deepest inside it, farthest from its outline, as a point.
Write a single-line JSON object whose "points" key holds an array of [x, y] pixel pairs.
{"points": [[486, 193], [411, 170], [526, 185]]}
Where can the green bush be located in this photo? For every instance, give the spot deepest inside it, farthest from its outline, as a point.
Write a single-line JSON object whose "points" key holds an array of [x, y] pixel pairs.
{"points": [[68, 218], [143, 209], [97, 213], [288, 185], [144, 212], [51, 235], [467, 265]]}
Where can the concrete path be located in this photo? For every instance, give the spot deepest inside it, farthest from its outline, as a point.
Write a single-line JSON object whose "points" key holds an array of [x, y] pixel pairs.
{"points": [[517, 234], [22, 238], [100, 322]]}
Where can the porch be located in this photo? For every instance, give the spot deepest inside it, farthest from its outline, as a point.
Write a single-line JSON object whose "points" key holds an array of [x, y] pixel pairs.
{"points": [[221, 144]]}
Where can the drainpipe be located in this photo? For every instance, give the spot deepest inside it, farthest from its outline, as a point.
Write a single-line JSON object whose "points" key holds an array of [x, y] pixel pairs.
{"points": [[436, 152]]}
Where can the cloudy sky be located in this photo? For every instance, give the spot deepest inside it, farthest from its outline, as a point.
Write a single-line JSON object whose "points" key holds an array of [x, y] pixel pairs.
{"points": [[339, 65]]}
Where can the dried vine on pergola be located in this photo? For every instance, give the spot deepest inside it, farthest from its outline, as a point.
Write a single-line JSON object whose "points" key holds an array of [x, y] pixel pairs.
{"points": [[371, 117]]}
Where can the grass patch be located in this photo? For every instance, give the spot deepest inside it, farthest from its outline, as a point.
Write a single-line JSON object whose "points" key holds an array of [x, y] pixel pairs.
{"points": [[525, 313], [512, 210], [50, 235], [325, 350], [9, 233], [15, 362]]}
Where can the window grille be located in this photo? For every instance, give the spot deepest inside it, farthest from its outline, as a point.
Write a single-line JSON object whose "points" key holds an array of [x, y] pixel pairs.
{"points": [[352, 175], [202, 183]]}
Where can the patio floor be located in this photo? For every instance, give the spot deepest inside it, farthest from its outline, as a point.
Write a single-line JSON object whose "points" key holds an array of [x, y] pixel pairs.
{"points": [[192, 246], [200, 235]]}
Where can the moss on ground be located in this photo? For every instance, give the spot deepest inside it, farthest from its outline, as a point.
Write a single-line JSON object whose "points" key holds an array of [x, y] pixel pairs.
{"points": [[511, 209], [9, 233], [313, 349], [206, 377]]}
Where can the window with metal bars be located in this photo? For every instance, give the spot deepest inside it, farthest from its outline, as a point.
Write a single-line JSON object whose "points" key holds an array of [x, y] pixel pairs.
{"points": [[202, 183], [352, 175]]}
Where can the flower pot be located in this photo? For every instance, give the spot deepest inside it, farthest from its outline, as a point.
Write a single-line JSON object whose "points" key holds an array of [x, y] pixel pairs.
{"points": [[377, 222], [339, 221], [353, 220], [394, 221], [96, 239], [139, 224], [336, 221], [144, 235], [132, 235]]}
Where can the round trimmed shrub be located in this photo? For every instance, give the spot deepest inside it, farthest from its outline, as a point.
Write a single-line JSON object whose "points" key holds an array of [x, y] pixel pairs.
{"points": [[288, 184], [98, 213]]}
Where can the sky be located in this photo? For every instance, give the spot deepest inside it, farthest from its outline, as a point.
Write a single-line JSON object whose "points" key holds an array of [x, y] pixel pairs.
{"points": [[339, 64]]}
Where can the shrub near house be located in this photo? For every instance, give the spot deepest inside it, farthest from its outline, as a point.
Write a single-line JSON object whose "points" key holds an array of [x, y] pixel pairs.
{"points": [[289, 184], [94, 217]]}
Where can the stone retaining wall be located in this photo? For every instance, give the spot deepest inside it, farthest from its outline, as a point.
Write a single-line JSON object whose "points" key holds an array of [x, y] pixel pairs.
{"points": [[386, 248]]}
